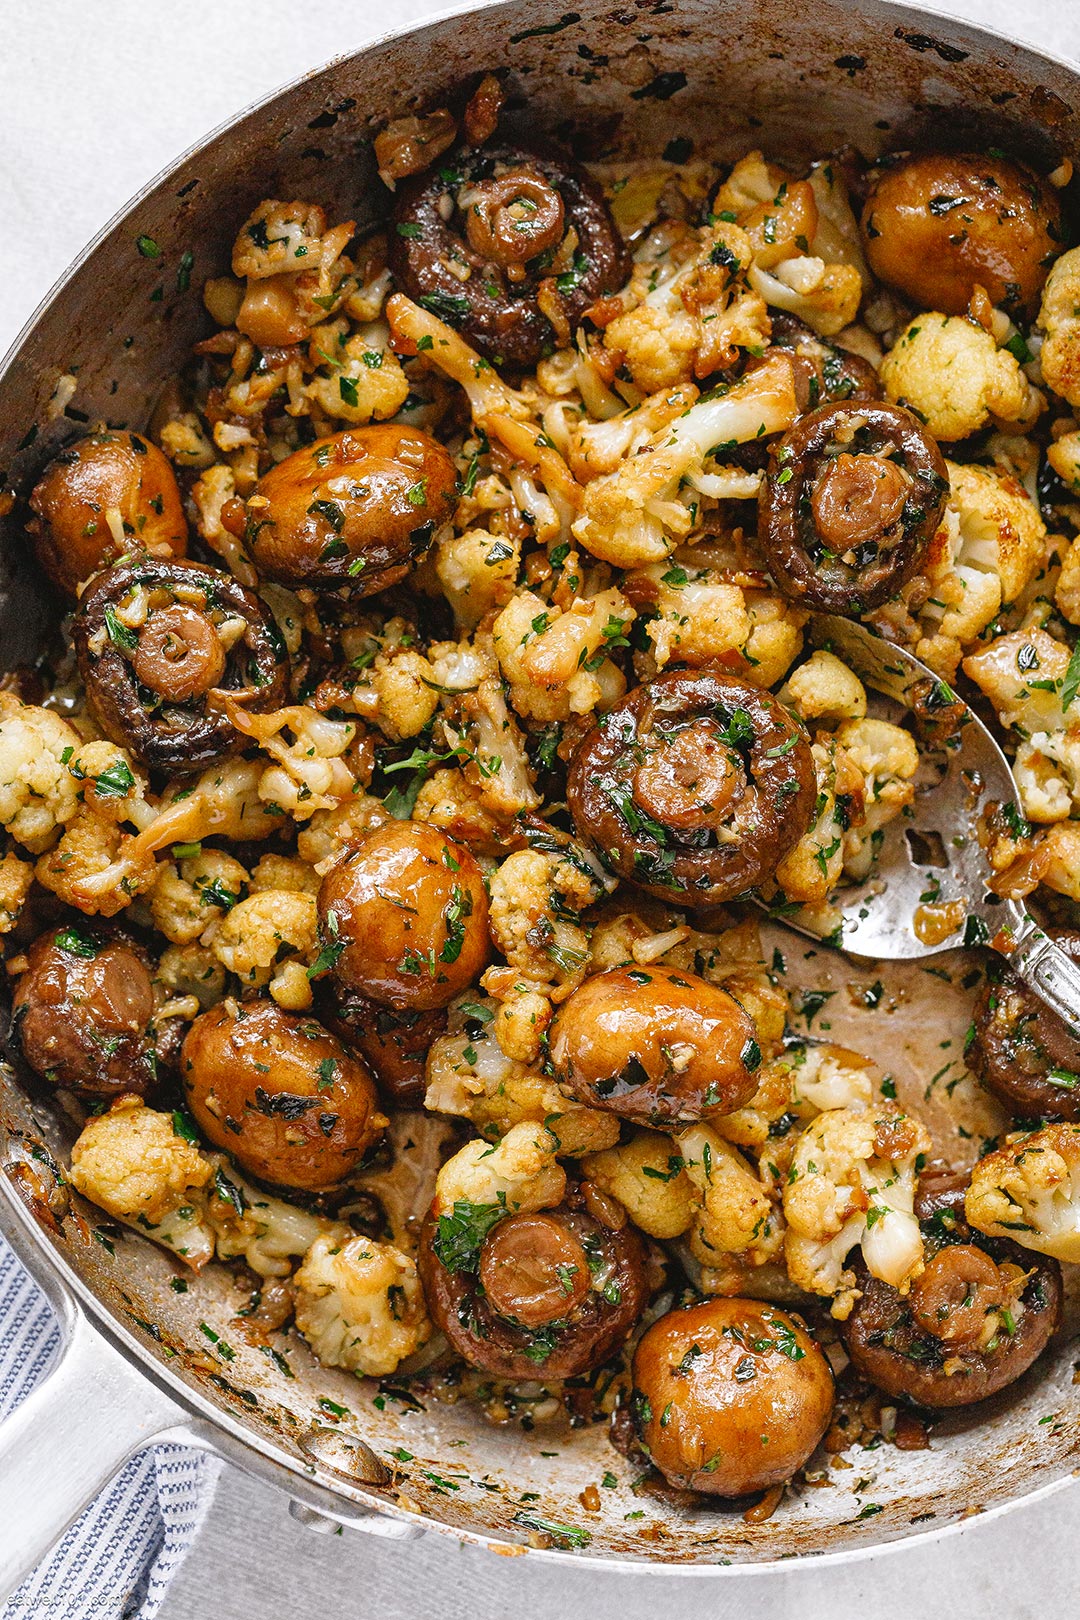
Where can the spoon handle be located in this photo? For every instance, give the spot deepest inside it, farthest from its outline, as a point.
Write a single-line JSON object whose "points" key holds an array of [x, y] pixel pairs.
{"points": [[1045, 968]]}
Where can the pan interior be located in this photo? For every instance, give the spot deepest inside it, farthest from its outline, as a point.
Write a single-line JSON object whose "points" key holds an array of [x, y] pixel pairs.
{"points": [[729, 76]]}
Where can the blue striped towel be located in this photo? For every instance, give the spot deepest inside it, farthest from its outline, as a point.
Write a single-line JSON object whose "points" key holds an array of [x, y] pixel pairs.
{"points": [[116, 1562]]}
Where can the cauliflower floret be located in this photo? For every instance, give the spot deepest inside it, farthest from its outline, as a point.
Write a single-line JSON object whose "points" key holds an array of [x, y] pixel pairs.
{"points": [[825, 296], [1063, 454], [284, 872], [496, 761], [191, 973], [1029, 1190], [330, 833], [191, 894], [1059, 318], [555, 661], [135, 1164], [1067, 589], [470, 1075], [950, 371], [38, 794], [96, 866], [810, 871], [15, 879], [695, 311], [449, 801], [477, 571], [646, 1175], [184, 440], [825, 1076], [824, 688], [278, 236], [852, 1181], [888, 759], [535, 901], [637, 514], [365, 381], [737, 1216], [521, 1173], [270, 939], [265, 1232], [700, 615], [598, 447], [360, 1306], [986, 551], [1023, 675], [310, 772]]}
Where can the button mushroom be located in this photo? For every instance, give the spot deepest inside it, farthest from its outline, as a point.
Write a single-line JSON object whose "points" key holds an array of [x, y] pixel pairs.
{"points": [[694, 786]]}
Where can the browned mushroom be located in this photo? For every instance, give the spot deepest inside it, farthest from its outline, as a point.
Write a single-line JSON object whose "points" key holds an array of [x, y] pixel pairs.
{"points": [[1022, 1051], [357, 509], [548, 1295], [940, 225], [158, 641], [850, 504], [823, 371], [694, 786], [280, 1093], [529, 235], [395, 1043], [403, 918], [83, 1012], [109, 494], [655, 1046], [730, 1396], [975, 1319]]}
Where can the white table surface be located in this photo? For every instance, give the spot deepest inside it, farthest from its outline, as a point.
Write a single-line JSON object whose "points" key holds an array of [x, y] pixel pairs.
{"points": [[94, 99]]}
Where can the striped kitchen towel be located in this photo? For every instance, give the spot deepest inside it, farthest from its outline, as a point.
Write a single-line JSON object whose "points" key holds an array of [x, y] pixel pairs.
{"points": [[116, 1562]]}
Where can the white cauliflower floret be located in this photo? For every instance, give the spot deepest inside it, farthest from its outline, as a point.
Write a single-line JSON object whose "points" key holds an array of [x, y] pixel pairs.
{"points": [[310, 773], [476, 570], [284, 872], [852, 1181], [637, 514], [647, 1176], [496, 761], [38, 794], [556, 661], [364, 380], [278, 236], [736, 1216], [826, 1076], [888, 759], [268, 940], [1029, 1190], [950, 371], [824, 688], [1059, 318], [1023, 675], [695, 311], [470, 1075], [521, 1173], [535, 901], [825, 296], [133, 1163], [360, 1306], [984, 554]]}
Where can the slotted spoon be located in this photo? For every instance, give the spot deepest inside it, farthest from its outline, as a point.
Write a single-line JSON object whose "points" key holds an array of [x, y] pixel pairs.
{"points": [[931, 855]]}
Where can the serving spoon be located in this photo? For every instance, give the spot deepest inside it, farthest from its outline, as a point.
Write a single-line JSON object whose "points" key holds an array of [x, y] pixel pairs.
{"points": [[931, 857]]}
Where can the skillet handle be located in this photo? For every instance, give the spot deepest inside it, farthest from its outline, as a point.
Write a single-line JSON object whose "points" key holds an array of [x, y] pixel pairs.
{"points": [[68, 1439]]}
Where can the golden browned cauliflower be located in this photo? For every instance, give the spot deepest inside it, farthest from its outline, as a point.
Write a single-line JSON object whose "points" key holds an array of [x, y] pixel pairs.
{"points": [[888, 759], [267, 1233], [986, 551], [852, 1182], [360, 1306], [194, 891], [693, 307], [136, 1164], [270, 939], [360, 379], [536, 898], [1029, 1190], [699, 614], [736, 1215], [556, 662], [15, 879], [647, 1176], [1059, 318], [1023, 675], [521, 1172], [952, 374]]}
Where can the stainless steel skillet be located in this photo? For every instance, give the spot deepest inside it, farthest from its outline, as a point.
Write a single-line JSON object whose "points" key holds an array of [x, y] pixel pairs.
{"points": [[141, 1360]]}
